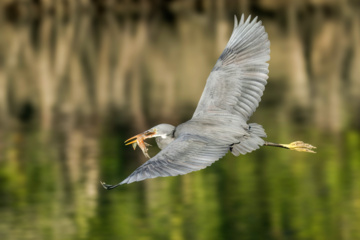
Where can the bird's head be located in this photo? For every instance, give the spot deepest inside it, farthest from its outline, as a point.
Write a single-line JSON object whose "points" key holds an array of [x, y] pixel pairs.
{"points": [[160, 131]]}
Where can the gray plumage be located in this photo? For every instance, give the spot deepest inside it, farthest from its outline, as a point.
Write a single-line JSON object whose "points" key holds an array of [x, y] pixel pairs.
{"points": [[232, 93], [163, 141]]}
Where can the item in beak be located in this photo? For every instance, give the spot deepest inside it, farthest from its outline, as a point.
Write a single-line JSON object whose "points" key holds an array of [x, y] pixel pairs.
{"points": [[142, 146], [140, 142]]}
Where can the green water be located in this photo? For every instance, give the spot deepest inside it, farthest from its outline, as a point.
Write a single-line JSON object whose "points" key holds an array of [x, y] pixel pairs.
{"points": [[268, 194]]}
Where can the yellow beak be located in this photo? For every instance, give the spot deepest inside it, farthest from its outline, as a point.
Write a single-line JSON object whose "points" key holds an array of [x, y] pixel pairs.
{"points": [[134, 139]]}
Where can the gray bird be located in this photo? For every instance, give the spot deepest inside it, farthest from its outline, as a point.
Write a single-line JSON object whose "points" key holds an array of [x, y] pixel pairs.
{"points": [[232, 93]]}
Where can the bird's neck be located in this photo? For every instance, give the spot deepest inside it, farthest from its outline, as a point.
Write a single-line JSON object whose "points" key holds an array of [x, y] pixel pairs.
{"points": [[162, 142]]}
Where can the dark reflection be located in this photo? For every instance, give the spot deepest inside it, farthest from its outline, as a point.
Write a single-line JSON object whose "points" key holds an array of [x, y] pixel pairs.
{"points": [[82, 84], [26, 112]]}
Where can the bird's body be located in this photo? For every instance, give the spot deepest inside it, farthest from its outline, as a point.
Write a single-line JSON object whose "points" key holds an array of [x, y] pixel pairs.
{"points": [[219, 124]]}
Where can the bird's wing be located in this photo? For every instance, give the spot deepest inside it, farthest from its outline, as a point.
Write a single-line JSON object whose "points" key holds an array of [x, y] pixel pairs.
{"points": [[185, 154], [238, 79]]}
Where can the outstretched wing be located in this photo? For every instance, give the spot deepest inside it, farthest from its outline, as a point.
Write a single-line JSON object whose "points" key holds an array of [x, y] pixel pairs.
{"points": [[185, 154], [238, 79]]}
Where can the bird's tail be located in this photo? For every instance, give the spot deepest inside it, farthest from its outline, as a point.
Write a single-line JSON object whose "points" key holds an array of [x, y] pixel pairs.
{"points": [[251, 142]]}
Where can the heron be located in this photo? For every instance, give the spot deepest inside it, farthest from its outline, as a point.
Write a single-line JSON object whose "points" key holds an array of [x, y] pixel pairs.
{"points": [[232, 93]]}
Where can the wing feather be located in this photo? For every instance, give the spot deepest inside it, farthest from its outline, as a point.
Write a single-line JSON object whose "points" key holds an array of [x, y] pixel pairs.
{"points": [[186, 154], [238, 79]]}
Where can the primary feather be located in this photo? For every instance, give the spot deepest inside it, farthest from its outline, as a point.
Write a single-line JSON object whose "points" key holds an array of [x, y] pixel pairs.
{"points": [[238, 79]]}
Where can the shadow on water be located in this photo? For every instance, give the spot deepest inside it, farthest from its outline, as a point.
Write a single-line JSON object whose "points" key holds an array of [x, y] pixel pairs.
{"points": [[73, 89]]}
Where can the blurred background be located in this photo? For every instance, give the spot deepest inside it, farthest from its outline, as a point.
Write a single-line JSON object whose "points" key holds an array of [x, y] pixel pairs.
{"points": [[78, 77]]}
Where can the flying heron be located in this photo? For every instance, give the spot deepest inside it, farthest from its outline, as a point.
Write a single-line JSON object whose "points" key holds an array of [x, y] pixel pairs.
{"points": [[219, 124]]}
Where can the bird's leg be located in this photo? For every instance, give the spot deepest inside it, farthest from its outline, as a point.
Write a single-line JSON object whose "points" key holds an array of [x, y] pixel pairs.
{"points": [[297, 146]]}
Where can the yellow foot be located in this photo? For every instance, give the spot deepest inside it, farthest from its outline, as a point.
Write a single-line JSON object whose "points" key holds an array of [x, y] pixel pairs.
{"points": [[300, 146]]}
